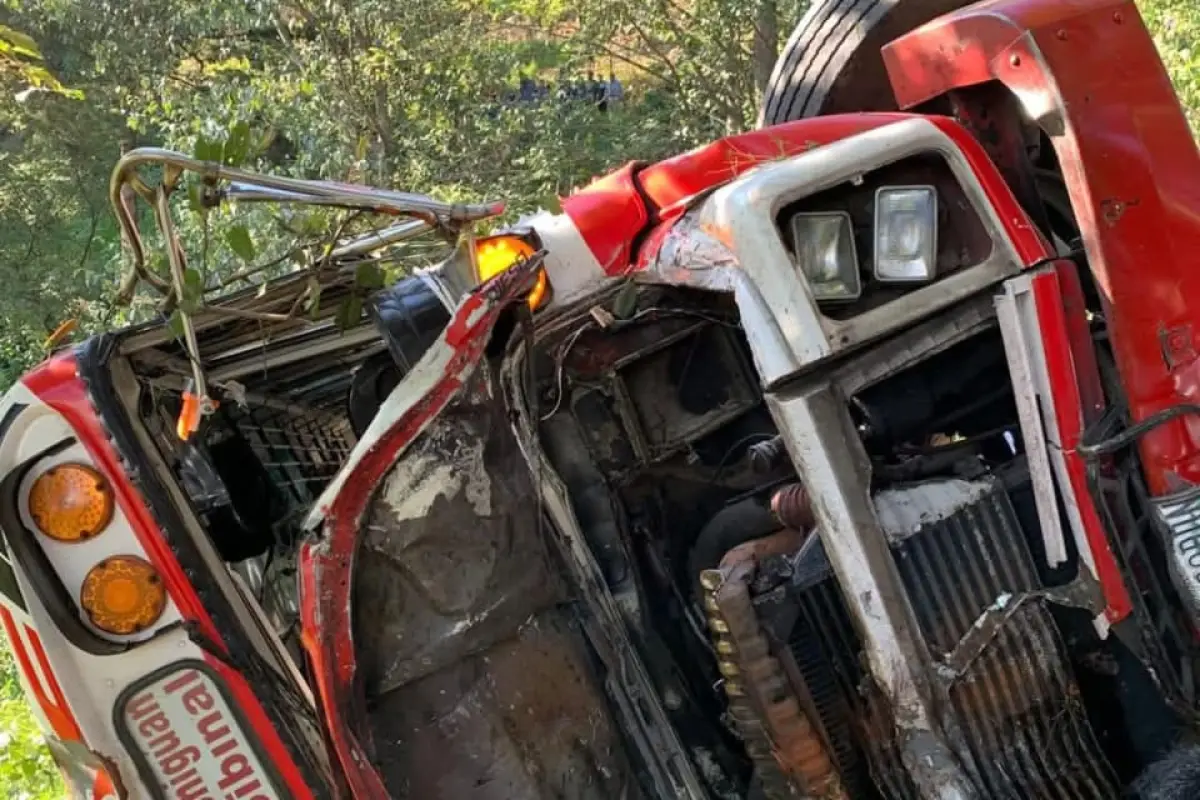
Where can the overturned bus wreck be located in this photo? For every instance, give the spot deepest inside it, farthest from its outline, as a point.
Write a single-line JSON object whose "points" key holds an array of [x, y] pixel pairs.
{"points": [[853, 457]]}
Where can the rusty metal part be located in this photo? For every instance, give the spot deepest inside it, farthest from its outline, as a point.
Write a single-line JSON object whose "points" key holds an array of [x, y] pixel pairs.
{"points": [[520, 719], [780, 543], [789, 754], [791, 505]]}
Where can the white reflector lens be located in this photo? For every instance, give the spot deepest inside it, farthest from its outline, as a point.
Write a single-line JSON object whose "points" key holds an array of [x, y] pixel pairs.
{"points": [[905, 233], [826, 255]]}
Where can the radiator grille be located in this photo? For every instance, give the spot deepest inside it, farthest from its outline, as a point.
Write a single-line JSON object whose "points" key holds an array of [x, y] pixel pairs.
{"points": [[1016, 719], [827, 652]]}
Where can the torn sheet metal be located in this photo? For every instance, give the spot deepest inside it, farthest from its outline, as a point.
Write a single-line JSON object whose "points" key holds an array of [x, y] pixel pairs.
{"points": [[326, 564]]}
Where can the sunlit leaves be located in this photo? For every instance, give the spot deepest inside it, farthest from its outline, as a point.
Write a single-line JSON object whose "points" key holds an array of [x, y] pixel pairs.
{"points": [[240, 242], [175, 323], [1176, 27], [15, 44], [26, 768], [237, 144], [368, 277], [207, 149], [349, 312], [192, 296], [312, 299], [21, 61], [232, 149]]}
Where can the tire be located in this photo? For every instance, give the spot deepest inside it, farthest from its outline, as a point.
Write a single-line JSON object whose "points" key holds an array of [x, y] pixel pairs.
{"points": [[831, 62]]}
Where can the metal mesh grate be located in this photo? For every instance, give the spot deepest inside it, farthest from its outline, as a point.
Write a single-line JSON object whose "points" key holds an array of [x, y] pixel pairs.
{"points": [[301, 449], [1015, 715]]}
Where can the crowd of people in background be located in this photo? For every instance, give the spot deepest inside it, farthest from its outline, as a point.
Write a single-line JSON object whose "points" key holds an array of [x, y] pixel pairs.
{"points": [[605, 94]]}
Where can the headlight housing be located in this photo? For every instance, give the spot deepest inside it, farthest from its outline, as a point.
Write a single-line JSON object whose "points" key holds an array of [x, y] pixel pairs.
{"points": [[905, 234], [826, 255]]}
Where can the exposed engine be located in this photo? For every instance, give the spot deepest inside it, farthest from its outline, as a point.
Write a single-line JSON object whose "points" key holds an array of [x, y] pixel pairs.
{"points": [[656, 424]]}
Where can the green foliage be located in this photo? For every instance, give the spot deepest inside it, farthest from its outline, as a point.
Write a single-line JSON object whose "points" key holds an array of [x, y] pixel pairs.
{"points": [[240, 242], [1176, 27], [27, 772], [21, 62]]}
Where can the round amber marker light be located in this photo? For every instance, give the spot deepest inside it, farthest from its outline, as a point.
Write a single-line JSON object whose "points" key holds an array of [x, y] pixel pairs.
{"points": [[123, 595], [71, 503], [497, 254]]}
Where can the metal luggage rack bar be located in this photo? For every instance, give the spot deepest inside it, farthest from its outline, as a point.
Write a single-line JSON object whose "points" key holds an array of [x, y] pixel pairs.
{"points": [[415, 214]]}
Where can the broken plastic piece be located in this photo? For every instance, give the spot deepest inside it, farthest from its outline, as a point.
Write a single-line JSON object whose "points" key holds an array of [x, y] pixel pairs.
{"points": [[193, 408]]}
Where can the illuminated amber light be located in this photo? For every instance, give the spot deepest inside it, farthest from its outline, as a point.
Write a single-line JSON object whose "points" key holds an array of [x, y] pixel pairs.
{"points": [[71, 503], [498, 253], [123, 595]]}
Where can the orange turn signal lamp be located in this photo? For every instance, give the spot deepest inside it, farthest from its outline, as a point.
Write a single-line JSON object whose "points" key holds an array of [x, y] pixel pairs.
{"points": [[495, 254], [71, 503], [123, 595]]}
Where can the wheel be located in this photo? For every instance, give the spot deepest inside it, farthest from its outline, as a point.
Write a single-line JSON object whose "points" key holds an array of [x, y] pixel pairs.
{"points": [[831, 62]]}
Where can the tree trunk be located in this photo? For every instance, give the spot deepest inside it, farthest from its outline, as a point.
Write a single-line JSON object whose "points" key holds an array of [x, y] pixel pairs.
{"points": [[383, 130], [766, 43]]}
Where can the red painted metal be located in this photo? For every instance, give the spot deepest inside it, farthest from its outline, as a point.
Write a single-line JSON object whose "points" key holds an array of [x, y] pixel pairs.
{"points": [[630, 207], [1093, 404], [326, 568], [609, 213], [50, 698], [615, 212], [1088, 71], [56, 383], [673, 182], [676, 180], [1032, 248], [1071, 366]]}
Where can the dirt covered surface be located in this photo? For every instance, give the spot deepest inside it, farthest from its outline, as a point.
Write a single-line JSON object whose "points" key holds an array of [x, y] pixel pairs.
{"points": [[477, 675], [520, 720]]}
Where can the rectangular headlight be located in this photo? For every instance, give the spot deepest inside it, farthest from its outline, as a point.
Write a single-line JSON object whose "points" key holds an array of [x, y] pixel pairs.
{"points": [[905, 233], [826, 255]]}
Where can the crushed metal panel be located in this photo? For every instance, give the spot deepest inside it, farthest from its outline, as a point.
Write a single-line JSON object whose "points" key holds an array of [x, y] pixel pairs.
{"points": [[325, 563], [451, 558], [477, 679]]}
